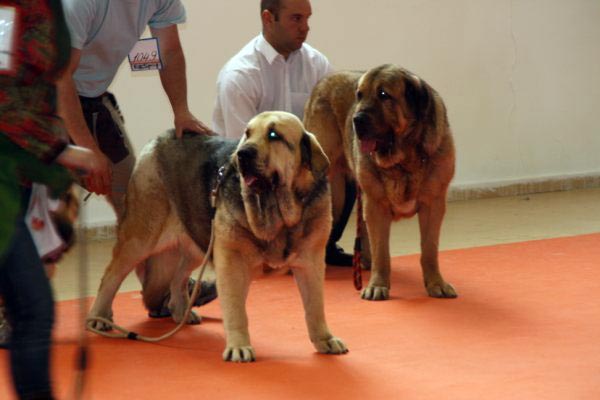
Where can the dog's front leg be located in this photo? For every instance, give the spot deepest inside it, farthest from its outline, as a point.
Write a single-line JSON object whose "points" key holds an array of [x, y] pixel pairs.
{"points": [[233, 281], [378, 220], [430, 223], [309, 279]]}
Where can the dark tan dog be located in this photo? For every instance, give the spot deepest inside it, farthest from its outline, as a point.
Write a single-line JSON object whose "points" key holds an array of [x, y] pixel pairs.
{"points": [[272, 208], [388, 129]]}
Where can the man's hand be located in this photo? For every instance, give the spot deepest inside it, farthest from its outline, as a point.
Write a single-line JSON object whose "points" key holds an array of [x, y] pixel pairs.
{"points": [[94, 165], [186, 121], [100, 179]]}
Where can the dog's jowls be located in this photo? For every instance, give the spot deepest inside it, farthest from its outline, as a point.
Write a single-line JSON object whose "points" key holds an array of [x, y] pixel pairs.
{"points": [[388, 129], [273, 208]]}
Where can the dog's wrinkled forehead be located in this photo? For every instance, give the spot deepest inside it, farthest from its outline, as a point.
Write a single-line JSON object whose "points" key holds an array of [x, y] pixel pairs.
{"points": [[275, 127], [386, 79]]}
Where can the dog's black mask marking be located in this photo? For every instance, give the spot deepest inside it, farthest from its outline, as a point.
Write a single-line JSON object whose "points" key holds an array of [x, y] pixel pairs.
{"points": [[369, 140], [254, 179]]}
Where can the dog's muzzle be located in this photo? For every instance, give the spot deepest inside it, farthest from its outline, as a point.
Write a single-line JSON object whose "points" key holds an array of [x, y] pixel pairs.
{"points": [[362, 124], [369, 140], [247, 159], [253, 178]]}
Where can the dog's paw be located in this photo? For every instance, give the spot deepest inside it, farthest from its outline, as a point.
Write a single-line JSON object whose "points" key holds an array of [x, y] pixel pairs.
{"points": [[442, 290], [333, 345], [242, 354], [92, 323], [193, 318], [375, 293]]}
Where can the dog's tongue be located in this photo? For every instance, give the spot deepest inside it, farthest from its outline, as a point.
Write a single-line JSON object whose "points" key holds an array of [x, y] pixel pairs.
{"points": [[250, 180], [368, 145]]}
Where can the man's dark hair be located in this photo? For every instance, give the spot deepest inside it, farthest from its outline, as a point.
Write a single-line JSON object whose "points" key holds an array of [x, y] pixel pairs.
{"points": [[274, 6]]}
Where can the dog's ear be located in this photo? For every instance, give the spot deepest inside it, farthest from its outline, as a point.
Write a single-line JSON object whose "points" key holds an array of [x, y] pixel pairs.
{"points": [[422, 100], [313, 156], [418, 97]]}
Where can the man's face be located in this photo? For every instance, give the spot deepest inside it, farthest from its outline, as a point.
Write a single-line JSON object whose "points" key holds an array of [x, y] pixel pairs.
{"points": [[290, 29]]}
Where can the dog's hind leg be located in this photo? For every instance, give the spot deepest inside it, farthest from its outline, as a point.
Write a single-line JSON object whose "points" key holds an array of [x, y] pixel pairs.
{"points": [[310, 281], [158, 273], [126, 255], [189, 258], [138, 233]]}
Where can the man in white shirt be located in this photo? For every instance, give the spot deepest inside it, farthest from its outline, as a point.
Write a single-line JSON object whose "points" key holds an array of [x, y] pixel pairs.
{"points": [[277, 70]]}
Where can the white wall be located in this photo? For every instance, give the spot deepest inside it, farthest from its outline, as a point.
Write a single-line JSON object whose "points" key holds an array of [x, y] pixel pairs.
{"points": [[521, 78]]}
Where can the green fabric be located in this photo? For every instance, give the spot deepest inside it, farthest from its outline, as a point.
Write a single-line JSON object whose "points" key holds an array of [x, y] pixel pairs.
{"points": [[18, 165]]}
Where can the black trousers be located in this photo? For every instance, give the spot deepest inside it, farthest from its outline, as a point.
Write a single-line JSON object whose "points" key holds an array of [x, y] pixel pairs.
{"points": [[338, 227]]}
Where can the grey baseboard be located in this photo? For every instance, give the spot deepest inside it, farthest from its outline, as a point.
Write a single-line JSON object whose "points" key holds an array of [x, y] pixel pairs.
{"points": [[101, 232], [456, 193], [525, 187]]}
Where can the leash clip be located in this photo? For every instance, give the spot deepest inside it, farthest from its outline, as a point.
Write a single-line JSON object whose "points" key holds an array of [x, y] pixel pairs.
{"points": [[215, 190]]}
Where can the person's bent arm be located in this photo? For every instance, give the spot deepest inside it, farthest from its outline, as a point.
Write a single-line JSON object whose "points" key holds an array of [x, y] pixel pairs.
{"points": [[79, 158], [174, 81], [69, 109]]}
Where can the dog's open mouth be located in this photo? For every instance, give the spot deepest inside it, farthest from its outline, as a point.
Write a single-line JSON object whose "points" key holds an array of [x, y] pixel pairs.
{"points": [[258, 182], [369, 144], [254, 178]]}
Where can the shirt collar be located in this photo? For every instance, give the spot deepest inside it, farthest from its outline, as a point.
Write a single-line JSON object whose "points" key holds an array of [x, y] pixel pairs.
{"points": [[265, 48]]}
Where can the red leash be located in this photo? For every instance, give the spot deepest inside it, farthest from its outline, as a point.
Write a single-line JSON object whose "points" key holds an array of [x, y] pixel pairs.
{"points": [[356, 264]]}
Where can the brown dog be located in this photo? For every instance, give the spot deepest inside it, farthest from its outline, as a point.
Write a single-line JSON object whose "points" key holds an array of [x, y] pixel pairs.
{"points": [[388, 129], [272, 208]]}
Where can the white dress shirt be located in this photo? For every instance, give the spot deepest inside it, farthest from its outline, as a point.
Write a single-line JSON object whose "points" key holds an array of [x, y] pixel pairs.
{"points": [[259, 79]]}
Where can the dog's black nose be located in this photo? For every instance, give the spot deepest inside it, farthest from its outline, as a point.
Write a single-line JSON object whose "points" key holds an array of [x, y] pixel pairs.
{"points": [[246, 156], [362, 122]]}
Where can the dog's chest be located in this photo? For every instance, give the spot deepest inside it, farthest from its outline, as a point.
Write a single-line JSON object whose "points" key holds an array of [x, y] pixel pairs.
{"points": [[402, 190], [280, 251]]}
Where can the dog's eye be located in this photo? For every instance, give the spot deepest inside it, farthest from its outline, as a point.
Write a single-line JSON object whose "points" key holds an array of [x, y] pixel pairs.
{"points": [[359, 95], [274, 135], [383, 95]]}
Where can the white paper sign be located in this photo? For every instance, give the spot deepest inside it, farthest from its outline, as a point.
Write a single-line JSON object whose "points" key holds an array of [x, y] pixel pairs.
{"points": [[7, 39], [145, 55], [46, 238]]}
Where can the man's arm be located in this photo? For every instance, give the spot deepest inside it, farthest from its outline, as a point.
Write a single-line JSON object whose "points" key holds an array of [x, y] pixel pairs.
{"points": [[69, 109], [174, 81]]}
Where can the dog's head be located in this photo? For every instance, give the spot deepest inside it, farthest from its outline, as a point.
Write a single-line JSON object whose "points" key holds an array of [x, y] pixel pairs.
{"points": [[393, 107], [278, 158]]}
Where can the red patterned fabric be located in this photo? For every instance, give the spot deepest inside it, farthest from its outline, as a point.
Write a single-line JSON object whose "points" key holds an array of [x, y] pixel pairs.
{"points": [[27, 92]]}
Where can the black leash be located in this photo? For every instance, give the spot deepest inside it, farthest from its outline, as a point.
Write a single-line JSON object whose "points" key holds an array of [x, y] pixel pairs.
{"points": [[82, 360]]}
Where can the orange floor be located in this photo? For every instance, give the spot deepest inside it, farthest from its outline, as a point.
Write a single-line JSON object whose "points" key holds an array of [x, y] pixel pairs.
{"points": [[526, 326]]}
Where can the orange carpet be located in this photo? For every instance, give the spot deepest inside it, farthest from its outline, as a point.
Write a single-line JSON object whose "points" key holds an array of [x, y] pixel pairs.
{"points": [[526, 326]]}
